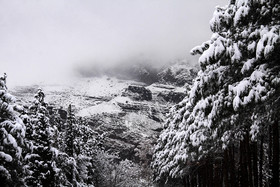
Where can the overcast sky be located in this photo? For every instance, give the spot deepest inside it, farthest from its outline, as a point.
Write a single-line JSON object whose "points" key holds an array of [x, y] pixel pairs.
{"points": [[43, 39]]}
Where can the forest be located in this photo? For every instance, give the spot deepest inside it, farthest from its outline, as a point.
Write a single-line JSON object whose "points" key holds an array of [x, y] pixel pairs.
{"points": [[224, 132], [46, 146]]}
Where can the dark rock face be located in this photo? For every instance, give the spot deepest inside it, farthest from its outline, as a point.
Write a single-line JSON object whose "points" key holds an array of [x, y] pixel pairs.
{"points": [[147, 75], [118, 135], [178, 74], [138, 93], [141, 118], [174, 97]]}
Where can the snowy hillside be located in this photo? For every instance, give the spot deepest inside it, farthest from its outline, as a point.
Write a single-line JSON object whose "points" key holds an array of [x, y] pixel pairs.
{"points": [[129, 112]]}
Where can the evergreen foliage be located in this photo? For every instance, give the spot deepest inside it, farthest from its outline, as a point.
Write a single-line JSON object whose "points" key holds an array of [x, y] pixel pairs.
{"points": [[39, 148], [12, 142], [40, 159], [232, 105]]}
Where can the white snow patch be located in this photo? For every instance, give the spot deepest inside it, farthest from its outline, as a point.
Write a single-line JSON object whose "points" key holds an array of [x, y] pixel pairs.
{"points": [[237, 54], [100, 87], [240, 88], [105, 107], [247, 65], [240, 13], [257, 75], [6, 157], [12, 140], [268, 40], [121, 99], [155, 88], [252, 46]]}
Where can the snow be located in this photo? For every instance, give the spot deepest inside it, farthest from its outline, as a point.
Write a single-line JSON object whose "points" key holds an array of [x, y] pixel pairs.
{"points": [[275, 81], [202, 104], [257, 75], [236, 53], [29, 156], [241, 12], [105, 107], [100, 87], [10, 97], [19, 152], [240, 3], [121, 99], [5, 172], [269, 38], [215, 22], [180, 89], [250, 77], [207, 54], [55, 151], [156, 88], [240, 87], [12, 140], [225, 139], [254, 130], [6, 157], [247, 65], [220, 48], [252, 46], [83, 92]]}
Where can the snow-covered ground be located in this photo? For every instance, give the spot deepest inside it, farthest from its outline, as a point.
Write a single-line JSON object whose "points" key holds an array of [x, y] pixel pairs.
{"points": [[109, 107], [105, 107], [83, 93]]}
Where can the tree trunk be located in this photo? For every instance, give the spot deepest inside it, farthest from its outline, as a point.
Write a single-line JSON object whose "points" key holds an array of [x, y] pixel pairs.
{"points": [[218, 179], [193, 180], [243, 165], [204, 175], [199, 177], [248, 159], [240, 165], [261, 163], [232, 166], [187, 181], [270, 145], [275, 156], [216, 175], [255, 163], [210, 174], [225, 169]]}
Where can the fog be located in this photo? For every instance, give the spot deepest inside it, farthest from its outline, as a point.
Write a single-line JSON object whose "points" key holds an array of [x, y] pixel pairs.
{"points": [[42, 40]]}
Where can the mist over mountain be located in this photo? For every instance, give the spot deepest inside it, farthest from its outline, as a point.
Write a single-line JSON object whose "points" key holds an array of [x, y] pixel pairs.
{"points": [[43, 38]]}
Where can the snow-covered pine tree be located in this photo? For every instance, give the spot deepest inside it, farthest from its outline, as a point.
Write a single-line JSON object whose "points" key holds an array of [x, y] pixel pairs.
{"points": [[40, 160], [69, 145], [12, 142], [70, 132], [239, 79], [75, 160]]}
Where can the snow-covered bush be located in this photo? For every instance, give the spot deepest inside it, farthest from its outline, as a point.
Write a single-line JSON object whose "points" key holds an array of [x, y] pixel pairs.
{"points": [[39, 160]]}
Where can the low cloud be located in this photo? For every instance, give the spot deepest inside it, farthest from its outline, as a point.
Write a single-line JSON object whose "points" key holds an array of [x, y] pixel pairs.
{"points": [[44, 40]]}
